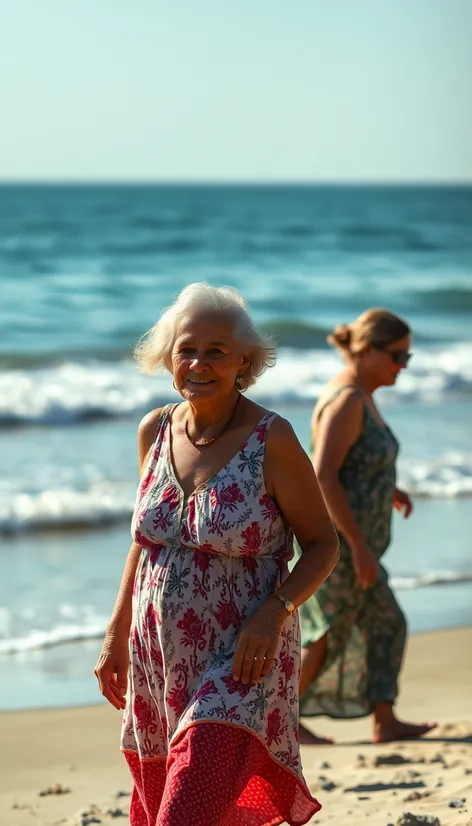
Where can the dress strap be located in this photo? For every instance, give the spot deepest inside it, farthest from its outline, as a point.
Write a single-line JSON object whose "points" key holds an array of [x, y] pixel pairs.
{"points": [[269, 418], [259, 434], [337, 393], [265, 424], [162, 425], [165, 416]]}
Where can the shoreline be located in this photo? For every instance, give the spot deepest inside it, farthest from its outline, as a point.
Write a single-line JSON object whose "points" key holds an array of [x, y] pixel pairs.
{"points": [[60, 676], [428, 637], [77, 749]]}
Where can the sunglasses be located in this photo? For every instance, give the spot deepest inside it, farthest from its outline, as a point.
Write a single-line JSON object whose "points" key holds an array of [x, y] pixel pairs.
{"points": [[399, 357]]}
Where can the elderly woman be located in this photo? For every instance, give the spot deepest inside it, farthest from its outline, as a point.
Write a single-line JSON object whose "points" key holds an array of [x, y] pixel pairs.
{"points": [[211, 642], [353, 631]]}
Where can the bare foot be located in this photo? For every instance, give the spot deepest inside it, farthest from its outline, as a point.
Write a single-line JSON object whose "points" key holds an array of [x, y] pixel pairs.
{"points": [[307, 738], [396, 730]]}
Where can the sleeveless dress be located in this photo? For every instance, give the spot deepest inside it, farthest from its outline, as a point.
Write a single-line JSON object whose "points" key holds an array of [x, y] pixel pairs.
{"points": [[202, 748], [365, 629]]}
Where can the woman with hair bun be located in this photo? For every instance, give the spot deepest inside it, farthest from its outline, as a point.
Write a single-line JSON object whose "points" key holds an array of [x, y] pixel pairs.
{"points": [[205, 629], [353, 631]]}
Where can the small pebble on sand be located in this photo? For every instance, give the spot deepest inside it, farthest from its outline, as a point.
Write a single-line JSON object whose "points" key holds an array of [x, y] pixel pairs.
{"points": [[415, 796], [458, 803], [438, 758], [85, 817], [57, 788], [409, 819], [393, 759]]}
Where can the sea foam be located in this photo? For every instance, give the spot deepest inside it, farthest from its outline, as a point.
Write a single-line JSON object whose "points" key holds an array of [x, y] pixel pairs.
{"points": [[75, 391]]}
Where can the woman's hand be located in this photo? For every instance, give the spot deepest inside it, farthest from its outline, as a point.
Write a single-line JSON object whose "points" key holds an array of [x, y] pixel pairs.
{"points": [[111, 670], [257, 642], [402, 502], [366, 566]]}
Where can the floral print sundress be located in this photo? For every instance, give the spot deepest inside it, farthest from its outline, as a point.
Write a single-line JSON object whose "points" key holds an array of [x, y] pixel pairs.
{"points": [[366, 629], [202, 748]]}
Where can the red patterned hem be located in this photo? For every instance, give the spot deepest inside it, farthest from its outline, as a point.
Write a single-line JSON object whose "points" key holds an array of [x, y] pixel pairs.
{"points": [[217, 774]]}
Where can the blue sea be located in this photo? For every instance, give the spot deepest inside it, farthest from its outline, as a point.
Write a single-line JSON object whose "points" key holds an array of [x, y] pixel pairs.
{"points": [[86, 270]]}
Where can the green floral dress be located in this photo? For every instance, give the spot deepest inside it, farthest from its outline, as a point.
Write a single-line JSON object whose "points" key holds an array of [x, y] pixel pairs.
{"points": [[366, 629]]}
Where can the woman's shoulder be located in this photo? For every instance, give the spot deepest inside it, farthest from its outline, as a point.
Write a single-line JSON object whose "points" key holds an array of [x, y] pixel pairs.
{"points": [[275, 427], [339, 394], [150, 421], [148, 427], [255, 413]]}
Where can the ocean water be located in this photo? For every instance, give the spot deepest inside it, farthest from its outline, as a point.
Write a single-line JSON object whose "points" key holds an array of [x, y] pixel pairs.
{"points": [[84, 271]]}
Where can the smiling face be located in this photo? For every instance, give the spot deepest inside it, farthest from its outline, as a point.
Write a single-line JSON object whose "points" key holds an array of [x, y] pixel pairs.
{"points": [[206, 358], [383, 365]]}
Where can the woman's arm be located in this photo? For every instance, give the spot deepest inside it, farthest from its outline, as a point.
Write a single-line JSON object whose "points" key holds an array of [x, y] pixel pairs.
{"points": [[112, 666], [111, 670], [338, 429], [292, 483]]}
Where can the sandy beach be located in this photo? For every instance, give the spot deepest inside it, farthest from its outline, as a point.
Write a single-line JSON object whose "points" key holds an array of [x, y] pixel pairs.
{"points": [[63, 766]]}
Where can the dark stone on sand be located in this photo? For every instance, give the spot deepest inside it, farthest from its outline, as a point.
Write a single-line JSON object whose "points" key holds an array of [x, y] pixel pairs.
{"points": [[58, 788], [458, 803], [438, 758], [328, 786], [415, 796], [115, 813], [395, 785], [88, 816], [409, 819], [390, 760]]}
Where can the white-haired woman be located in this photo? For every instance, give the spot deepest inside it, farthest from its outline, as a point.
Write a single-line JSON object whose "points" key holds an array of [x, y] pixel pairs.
{"points": [[210, 729]]}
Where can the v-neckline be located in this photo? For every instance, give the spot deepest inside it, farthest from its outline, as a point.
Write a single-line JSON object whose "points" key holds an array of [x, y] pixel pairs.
{"points": [[170, 459]]}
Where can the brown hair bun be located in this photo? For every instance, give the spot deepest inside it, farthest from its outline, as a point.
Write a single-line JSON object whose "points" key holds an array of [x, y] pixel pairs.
{"points": [[376, 327], [341, 336]]}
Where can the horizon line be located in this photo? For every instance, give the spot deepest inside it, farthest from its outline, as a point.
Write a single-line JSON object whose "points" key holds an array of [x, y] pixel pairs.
{"points": [[229, 182]]}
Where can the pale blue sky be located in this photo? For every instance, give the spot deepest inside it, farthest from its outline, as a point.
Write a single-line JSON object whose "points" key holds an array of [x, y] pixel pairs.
{"points": [[247, 90]]}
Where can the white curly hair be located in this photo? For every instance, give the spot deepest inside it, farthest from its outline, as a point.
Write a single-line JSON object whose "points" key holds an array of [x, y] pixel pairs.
{"points": [[154, 350]]}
